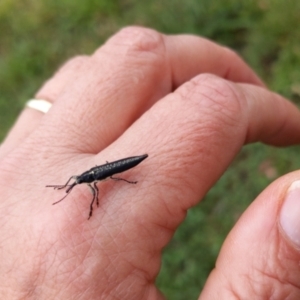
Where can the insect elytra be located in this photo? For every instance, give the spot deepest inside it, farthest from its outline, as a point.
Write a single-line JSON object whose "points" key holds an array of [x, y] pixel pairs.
{"points": [[100, 173]]}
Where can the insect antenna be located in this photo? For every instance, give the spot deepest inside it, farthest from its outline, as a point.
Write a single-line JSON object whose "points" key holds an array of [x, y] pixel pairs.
{"points": [[58, 187]]}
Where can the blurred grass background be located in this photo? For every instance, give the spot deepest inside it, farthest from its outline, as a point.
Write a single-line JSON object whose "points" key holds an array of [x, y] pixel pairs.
{"points": [[38, 36]]}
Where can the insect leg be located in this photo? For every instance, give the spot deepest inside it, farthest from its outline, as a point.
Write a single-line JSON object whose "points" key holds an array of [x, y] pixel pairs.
{"points": [[117, 179], [93, 190], [97, 192]]}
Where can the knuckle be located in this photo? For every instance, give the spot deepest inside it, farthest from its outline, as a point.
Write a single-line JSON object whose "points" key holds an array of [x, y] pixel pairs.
{"points": [[138, 39], [216, 96]]}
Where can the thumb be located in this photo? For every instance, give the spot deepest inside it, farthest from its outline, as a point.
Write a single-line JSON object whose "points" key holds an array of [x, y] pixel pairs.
{"points": [[260, 257]]}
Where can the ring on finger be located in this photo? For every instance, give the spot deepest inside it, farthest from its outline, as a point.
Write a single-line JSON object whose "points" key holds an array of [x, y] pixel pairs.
{"points": [[39, 105]]}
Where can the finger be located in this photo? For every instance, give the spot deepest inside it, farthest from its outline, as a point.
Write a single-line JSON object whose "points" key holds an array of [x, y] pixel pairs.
{"points": [[272, 120], [29, 118], [126, 76], [260, 257], [199, 129], [191, 55]]}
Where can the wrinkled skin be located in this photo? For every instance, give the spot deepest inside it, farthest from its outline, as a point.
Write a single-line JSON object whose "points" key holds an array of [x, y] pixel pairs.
{"points": [[191, 105]]}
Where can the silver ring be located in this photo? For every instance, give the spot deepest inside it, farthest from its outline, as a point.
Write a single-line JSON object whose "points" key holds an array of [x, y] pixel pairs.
{"points": [[39, 104]]}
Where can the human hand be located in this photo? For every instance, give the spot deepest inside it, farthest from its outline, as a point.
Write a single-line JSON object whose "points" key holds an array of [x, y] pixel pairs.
{"points": [[143, 92]]}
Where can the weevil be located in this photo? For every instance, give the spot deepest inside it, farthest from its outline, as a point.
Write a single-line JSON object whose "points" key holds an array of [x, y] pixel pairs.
{"points": [[100, 173]]}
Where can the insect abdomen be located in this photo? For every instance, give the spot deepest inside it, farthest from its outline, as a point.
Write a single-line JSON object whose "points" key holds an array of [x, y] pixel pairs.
{"points": [[118, 166]]}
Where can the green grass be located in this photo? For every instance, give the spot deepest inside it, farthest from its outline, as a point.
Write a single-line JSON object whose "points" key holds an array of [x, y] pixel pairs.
{"points": [[38, 36]]}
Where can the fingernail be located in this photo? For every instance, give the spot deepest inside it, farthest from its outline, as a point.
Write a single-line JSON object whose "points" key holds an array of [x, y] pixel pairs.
{"points": [[290, 213]]}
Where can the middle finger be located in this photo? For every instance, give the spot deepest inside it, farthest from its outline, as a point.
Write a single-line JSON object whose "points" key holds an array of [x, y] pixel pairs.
{"points": [[126, 76]]}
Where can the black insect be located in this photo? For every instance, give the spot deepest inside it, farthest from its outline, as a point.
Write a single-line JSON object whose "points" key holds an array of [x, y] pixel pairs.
{"points": [[100, 173]]}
